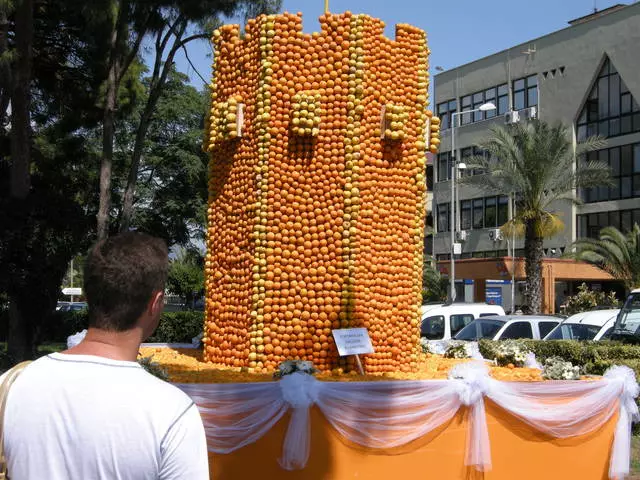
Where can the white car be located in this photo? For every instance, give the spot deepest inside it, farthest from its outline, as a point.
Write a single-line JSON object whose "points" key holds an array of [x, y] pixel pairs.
{"points": [[594, 325], [627, 326], [509, 327], [442, 322]]}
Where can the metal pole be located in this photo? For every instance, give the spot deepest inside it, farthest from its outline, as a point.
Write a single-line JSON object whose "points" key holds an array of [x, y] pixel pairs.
{"points": [[452, 204], [513, 255], [72, 278]]}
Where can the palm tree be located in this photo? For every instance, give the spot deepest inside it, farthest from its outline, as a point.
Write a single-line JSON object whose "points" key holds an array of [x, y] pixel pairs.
{"points": [[536, 162], [434, 287], [615, 252]]}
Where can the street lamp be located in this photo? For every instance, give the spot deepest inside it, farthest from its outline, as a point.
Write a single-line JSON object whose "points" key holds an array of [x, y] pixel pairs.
{"points": [[455, 166]]}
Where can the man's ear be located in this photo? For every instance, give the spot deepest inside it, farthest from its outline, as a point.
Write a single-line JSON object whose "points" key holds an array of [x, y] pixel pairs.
{"points": [[157, 303]]}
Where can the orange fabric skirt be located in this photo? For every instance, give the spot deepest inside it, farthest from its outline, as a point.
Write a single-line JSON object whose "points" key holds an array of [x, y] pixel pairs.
{"points": [[518, 451]]}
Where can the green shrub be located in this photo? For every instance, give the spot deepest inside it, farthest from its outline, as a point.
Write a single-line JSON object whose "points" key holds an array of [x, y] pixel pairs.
{"points": [[593, 357], [174, 327], [178, 327], [586, 300]]}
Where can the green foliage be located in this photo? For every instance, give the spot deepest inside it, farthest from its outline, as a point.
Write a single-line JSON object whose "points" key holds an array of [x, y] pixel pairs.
{"points": [[174, 327], [456, 350], [615, 252], [186, 275], [434, 287], [536, 164], [593, 357], [586, 300], [153, 368], [178, 327]]}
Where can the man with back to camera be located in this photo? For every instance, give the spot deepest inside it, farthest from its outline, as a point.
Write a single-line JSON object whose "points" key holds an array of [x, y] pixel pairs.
{"points": [[92, 412]]}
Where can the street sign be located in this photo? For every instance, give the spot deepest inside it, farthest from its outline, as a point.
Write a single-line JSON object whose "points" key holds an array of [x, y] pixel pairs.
{"points": [[72, 291]]}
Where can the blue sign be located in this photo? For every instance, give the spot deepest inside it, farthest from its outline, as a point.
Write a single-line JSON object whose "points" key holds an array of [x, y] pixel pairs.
{"points": [[493, 295]]}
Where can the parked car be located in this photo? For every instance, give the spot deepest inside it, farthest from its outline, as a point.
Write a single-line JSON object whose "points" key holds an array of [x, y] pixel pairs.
{"points": [[627, 325], [501, 327], [62, 306], [71, 306], [592, 325], [443, 321]]}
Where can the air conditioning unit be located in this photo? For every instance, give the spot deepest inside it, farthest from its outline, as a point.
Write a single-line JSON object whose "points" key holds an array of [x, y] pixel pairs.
{"points": [[495, 234], [512, 117], [532, 113], [461, 236]]}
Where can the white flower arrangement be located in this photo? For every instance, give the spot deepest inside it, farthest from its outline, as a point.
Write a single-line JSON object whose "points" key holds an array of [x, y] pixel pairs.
{"points": [[424, 344], [457, 349], [291, 366], [555, 368], [511, 352]]}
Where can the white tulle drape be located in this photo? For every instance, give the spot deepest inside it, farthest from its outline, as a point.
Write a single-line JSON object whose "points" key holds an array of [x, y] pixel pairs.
{"points": [[389, 414]]}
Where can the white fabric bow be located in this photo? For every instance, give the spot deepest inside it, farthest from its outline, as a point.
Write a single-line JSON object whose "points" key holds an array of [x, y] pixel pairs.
{"points": [[629, 390], [472, 384], [300, 391]]}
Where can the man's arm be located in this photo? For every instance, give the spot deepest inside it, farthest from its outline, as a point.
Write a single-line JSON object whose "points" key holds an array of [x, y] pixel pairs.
{"points": [[184, 449]]}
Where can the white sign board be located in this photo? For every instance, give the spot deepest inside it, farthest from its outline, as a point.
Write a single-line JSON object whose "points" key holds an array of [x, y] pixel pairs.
{"points": [[72, 291], [352, 341]]}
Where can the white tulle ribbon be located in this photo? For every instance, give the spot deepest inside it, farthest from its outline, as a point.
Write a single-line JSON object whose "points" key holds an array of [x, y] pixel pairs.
{"points": [[629, 390], [300, 391], [472, 384]]}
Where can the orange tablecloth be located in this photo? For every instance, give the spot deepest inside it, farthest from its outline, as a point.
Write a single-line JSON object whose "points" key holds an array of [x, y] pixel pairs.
{"points": [[518, 452]]}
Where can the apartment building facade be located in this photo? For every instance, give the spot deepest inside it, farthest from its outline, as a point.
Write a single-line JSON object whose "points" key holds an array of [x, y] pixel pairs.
{"points": [[586, 76]]}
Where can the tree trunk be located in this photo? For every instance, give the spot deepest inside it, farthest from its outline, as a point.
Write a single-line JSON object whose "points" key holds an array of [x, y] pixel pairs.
{"points": [[20, 338], [132, 180], [5, 68], [533, 267], [157, 85], [108, 120], [119, 38]]}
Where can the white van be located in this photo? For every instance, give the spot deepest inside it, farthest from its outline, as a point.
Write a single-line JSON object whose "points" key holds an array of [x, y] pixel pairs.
{"points": [[504, 327], [593, 325], [443, 322]]}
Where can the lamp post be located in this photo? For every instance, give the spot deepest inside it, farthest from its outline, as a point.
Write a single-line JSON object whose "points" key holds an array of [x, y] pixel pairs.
{"points": [[455, 166]]}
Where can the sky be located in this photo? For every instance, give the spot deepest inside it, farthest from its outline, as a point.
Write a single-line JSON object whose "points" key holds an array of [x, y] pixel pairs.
{"points": [[458, 31]]}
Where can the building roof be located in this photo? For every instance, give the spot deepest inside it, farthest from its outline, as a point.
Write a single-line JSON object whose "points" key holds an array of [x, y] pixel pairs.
{"points": [[527, 43], [596, 14]]}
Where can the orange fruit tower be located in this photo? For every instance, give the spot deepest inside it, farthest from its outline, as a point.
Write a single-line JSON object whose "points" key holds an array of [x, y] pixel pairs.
{"points": [[316, 191]]}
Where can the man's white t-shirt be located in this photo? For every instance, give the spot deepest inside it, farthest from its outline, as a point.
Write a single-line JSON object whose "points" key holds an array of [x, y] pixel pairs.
{"points": [[83, 417]]}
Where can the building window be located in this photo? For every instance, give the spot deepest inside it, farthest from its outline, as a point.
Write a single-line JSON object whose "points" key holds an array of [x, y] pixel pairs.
{"points": [[429, 178], [624, 162], [490, 97], [465, 215], [466, 157], [443, 217], [465, 103], [444, 166], [610, 109], [490, 212], [525, 92], [589, 225], [503, 99], [503, 210], [445, 109], [478, 214]]}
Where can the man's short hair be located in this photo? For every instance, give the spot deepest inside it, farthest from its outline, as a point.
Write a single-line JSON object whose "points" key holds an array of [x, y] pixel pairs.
{"points": [[121, 275]]}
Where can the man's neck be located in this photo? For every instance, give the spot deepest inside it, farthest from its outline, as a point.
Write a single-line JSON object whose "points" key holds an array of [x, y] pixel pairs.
{"points": [[113, 345]]}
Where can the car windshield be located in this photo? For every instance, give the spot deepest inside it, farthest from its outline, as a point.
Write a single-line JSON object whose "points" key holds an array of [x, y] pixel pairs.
{"points": [[628, 320], [433, 327], [574, 331], [481, 328]]}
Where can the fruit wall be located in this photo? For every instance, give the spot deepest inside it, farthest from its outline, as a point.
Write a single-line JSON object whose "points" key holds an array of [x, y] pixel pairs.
{"points": [[316, 207]]}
